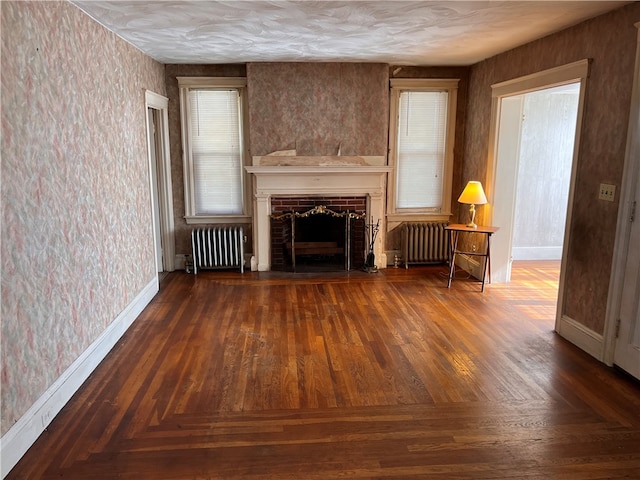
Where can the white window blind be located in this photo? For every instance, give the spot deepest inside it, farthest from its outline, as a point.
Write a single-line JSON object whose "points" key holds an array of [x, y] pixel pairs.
{"points": [[216, 151], [421, 149]]}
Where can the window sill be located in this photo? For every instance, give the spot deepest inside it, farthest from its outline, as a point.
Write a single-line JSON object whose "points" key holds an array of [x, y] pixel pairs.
{"points": [[217, 219], [418, 217]]}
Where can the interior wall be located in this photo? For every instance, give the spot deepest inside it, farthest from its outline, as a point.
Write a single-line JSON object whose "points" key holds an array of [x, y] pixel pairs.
{"points": [[77, 242], [315, 108], [609, 41], [318, 108]]}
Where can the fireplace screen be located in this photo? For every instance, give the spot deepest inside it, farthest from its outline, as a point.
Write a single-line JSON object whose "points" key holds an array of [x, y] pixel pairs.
{"points": [[317, 239]]}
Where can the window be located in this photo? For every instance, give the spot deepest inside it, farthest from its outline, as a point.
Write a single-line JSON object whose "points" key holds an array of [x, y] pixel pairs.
{"points": [[212, 112], [421, 138]]}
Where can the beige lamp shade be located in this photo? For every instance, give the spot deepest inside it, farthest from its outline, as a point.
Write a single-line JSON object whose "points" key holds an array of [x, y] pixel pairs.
{"points": [[473, 195]]}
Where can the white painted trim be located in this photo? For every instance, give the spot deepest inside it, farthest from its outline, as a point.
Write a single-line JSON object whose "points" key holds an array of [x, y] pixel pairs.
{"points": [[570, 201], [569, 73], [315, 170], [20, 437], [537, 253], [398, 86], [507, 131], [581, 336], [396, 219], [274, 181], [185, 84], [319, 160], [165, 188], [214, 82], [420, 83], [623, 227], [214, 220]]}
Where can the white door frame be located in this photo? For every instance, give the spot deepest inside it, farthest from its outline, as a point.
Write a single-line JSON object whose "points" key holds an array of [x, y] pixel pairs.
{"points": [[503, 201], [163, 169], [625, 211], [570, 73], [152, 140]]}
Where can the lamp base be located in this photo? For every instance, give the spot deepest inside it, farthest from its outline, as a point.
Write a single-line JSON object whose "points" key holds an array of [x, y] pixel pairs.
{"points": [[472, 214]]}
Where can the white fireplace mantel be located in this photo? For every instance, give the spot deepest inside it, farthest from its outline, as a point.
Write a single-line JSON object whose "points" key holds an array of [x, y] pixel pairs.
{"points": [[327, 180]]}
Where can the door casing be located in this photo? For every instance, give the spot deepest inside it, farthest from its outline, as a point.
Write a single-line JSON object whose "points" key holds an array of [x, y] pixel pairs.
{"points": [[163, 171], [630, 178]]}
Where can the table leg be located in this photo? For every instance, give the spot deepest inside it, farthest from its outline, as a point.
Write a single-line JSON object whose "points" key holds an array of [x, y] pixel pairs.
{"points": [[487, 262], [489, 255], [453, 242]]}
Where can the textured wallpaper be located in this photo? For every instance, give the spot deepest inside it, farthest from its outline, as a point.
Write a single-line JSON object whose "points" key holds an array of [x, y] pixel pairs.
{"points": [[610, 41], [318, 108], [76, 222]]}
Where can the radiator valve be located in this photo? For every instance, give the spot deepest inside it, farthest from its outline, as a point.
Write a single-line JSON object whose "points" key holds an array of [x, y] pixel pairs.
{"points": [[188, 264]]}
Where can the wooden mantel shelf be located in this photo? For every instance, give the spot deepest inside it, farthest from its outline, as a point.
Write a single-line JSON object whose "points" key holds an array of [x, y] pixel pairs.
{"points": [[315, 169], [318, 160]]}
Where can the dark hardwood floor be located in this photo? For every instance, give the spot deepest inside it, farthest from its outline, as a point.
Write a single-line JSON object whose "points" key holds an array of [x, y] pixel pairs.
{"points": [[367, 376]]}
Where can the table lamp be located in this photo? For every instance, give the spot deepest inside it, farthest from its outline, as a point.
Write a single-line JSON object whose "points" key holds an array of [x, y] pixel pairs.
{"points": [[473, 195]]}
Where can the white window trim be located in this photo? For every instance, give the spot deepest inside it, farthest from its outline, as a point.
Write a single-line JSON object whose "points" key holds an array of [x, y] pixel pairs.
{"points": [[186, 83], [399, 85]]}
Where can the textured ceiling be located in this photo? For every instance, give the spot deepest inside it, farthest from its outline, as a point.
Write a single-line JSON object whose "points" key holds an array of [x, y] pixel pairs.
{"points": [[394, 32]]}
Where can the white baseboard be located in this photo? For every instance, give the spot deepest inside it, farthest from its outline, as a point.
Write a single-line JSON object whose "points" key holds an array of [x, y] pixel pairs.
{"points": [[20, 437], [536, 253], [581, 336]]}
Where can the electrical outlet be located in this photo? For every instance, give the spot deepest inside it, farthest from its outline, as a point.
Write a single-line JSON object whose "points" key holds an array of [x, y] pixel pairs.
{"points": [[607, 192]]}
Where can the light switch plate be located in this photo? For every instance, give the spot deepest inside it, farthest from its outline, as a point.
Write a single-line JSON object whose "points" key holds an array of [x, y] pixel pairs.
{"points": [[607, 192]]}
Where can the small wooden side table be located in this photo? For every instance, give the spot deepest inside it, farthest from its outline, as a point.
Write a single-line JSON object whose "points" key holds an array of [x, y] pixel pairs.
{"points": [[454, 232]]}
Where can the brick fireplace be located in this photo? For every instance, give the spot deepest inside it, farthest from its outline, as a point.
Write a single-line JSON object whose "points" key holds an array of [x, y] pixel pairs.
{"points": [[361, 184], [318, 233]]}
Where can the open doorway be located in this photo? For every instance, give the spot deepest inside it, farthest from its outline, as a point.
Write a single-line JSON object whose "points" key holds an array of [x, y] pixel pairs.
{"points": [[547, 134], [525, 164]]}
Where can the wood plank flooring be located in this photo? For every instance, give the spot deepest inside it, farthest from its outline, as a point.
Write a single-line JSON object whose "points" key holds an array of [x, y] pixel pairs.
{"points": [[366, 376]]}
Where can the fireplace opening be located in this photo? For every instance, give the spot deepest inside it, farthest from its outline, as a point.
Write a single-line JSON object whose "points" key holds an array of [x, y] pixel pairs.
{"points": [[318, 243], [313, 237]]}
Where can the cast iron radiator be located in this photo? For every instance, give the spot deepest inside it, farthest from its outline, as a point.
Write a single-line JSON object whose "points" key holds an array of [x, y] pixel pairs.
{"points": [[218, 247], [425, 242]]}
